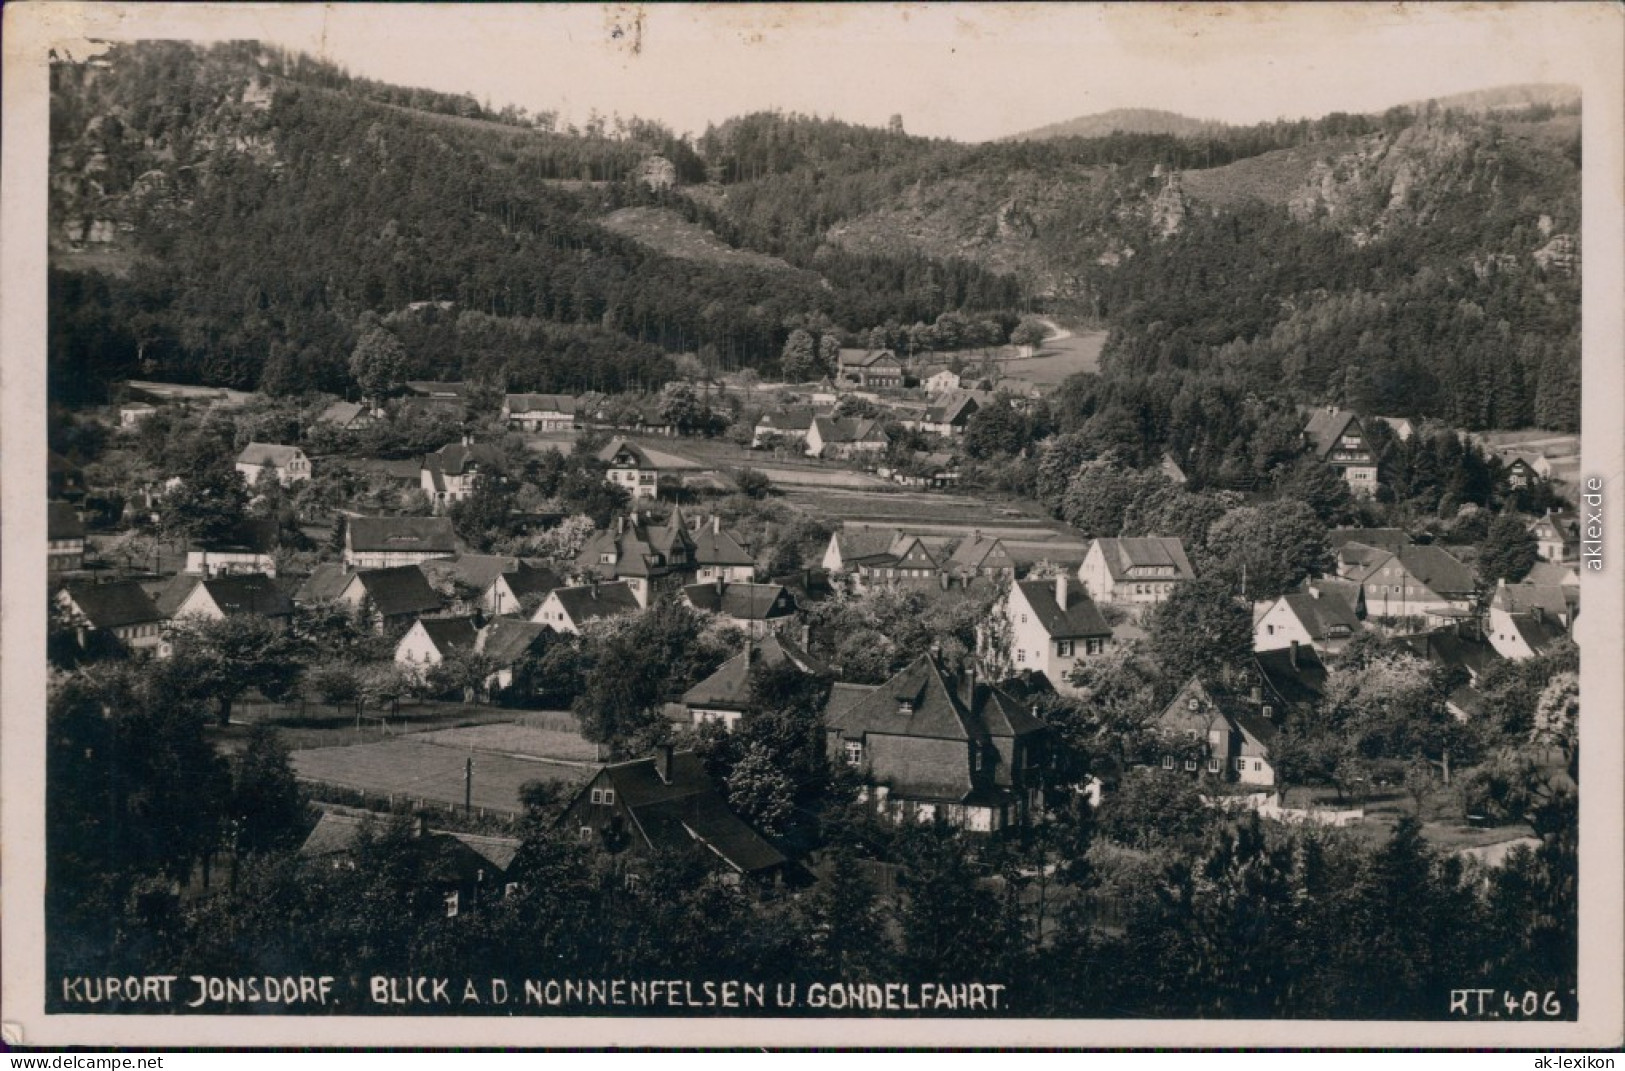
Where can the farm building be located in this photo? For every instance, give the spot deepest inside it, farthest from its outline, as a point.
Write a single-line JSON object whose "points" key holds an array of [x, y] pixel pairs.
{"points": [[568, 609], [287, 464], [724, 696], [378, 542]]}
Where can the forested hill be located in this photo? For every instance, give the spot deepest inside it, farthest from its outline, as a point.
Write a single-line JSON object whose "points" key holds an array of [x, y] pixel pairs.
{"points": [[1124, 121], [228, 214]]}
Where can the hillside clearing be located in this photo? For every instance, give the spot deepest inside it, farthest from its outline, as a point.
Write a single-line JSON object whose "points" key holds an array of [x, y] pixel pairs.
{"points": [[666, 232]]}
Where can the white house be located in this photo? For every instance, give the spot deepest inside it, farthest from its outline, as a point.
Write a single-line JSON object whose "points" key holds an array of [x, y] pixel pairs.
{"points": [[568, 609], [719, 555], [790, 425], [122, 610], [846, 438], [289, 463], [1528, 619], [1324, 622], [754, 608], [213, 599], [635, 469], [1557, 536], [1207, 729], [450, 474], [1339, 441], [1138, 571], [941, 381], [507, 593], [430, 639], [133, 413], [1052, 628], [539, 412]]}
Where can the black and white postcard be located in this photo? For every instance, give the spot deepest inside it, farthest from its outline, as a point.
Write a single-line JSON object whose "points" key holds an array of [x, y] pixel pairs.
{"points": [[917, 524]]}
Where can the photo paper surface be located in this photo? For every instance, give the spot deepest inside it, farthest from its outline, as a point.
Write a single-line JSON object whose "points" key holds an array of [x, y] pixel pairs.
{"points": [[784, 524]]}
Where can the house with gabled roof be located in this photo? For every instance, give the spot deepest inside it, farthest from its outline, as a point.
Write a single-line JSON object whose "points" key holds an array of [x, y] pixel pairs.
{"points": [[1208, 729], [214, 598], [1337, 439], [1557, 536], [539, 412], [720, 555], [909, 559], [937, 381], [430, 639], [723, 697], [930, 743], [1528, 619], [121, 609], [755, 608], [1324, 622], [665, 802], [846, 438], [849, 545], [379, 542], [791, 424], [287, 463], [1139, 571], [248, 548], [506, 640], [451, 473], [463, 580], [1044, 626], [981, 556], [65, 539], [636, 550], [950, 417], [870, 368], [637, 469], [1388, 539], [63, 478], [569, 609], [346, 416], [1411, 581], [510, 590], [1290, 678]]}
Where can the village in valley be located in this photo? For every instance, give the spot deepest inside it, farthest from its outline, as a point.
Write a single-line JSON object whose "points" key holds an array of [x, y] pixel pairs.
{"points": [[885, 649]]}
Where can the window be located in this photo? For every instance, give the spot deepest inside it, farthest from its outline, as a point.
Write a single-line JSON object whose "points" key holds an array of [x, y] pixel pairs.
{"points": [[1195, 704], [1021, 654], [1239, 763], [1258, 765], [1023, 619], [1094, 646], [609, 795], [1269, 711], [451, 904], [586, 833], [905, 706], [510, 888], [1190, 765], [1167, 762], [598, 795], [1214, 765], [854, 752], [1065, 648], [1269, 630]]}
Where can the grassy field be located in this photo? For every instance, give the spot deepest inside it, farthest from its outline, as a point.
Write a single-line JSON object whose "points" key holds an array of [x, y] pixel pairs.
{"points": [[666, 232], [534, 738], [1058, 358], [411, 768], [1027, 537]]}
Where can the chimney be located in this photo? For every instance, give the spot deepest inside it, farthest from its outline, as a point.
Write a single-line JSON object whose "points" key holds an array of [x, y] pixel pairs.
{"points": [[1540, 615], [806, 637], [716, 524], [970, 686], [663, 763], [1293, 655], [1060, 590], [420, 827], [719, 585]]}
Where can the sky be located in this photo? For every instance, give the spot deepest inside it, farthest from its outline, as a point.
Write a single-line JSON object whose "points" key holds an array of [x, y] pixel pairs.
{"points": [[967, 71]]}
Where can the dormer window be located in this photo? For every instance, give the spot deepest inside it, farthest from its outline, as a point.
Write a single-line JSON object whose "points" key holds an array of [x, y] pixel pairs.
{"points": [[854, 752], [1195, 704], [905, 706]]}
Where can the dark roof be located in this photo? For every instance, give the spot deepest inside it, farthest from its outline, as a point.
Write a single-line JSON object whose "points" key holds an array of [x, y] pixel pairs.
{"points": [[424, 534], [529, 580], [849, 430], [1538, 632], [1446, 647], [399, 590], [1527, 598], [450, 633], [336, 834], [541, 403], [1385, 538], [729, 686], [852, 358], [1326, 426], [646, 457], [248, 537], [436, 388], [250, 594], [1320, 616], [273, 453], [714, 547], [1123, 555], [170, 597], [973, 552], [405, 469], [793, 419], [1436, 567], [937, 708], [673, 815], [113, 605], [340, 413], [1350, 592], [459, 459], [1078, 618], [61, 522], [505, 639], [1302, 684], [742, 601], [591, 601], [478, 571], [324, 584]]}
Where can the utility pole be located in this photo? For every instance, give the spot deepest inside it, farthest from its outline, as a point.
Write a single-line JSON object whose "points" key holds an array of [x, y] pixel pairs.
{"points": [[468, 785]]}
